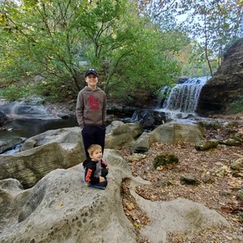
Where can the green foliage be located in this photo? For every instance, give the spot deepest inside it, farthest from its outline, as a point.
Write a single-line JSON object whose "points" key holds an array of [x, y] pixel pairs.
{"points": [[165, 159], [236, 106], [213, 24], [13, 92], [53, 38], [52, 89]]}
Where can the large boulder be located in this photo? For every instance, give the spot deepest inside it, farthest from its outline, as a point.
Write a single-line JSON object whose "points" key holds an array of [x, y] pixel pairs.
{"points": [[226, 86], [170, 133], [122, 134], [27, 109], [60, 208], [61, 148]]}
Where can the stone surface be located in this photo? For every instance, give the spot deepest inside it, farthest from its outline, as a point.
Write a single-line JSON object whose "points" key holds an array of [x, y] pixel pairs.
{"points": [[226, 86], [121, 134], [60, 208], [170, 133], [61, 148], [181, 215]]}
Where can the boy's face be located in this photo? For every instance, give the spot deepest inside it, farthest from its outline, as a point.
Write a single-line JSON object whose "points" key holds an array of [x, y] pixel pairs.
{"points": [[91, 80], [97, 155]]}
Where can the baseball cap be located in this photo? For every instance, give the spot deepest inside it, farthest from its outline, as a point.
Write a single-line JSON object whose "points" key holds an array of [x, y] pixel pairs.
{"points": [[91, 71]]}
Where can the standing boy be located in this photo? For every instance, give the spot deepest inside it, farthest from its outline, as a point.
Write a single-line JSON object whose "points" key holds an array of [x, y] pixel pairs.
{"points": [[91, 112]]}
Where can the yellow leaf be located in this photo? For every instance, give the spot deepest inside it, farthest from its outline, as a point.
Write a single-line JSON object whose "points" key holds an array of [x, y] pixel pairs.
{"points": [[137, 225], [60, 204]]}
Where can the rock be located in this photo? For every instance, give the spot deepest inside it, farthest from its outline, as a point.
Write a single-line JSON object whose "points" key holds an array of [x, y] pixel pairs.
{"points": [[165, 159], [61, 148], [237, 164], [162, 182], [3, 118], [148, 119], [181, 215], [170, 133], [231, 142], [206, 145], [10, 144], [60, 208], [189, 180], [142, 144], [121, 134], [226, 86], [63, 115]]}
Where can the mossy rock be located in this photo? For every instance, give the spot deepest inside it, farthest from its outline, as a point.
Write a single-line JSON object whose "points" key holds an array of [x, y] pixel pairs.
{"points": [[165, 159], [206, 145]]}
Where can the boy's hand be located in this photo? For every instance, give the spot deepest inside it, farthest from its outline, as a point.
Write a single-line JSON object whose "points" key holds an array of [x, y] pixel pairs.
{"points": [[102, 179], [107, 167]]}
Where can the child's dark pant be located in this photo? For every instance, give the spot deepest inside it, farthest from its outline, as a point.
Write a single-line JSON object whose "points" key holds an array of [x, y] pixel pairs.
{"points": [[93, 135]]}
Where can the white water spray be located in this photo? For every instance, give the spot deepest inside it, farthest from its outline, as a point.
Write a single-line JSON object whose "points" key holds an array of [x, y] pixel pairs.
{"points": [[183, 98]]}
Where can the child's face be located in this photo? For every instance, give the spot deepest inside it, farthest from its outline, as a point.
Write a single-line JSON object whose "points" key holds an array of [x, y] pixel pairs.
{"points": [[91, 80], [97, 155]]}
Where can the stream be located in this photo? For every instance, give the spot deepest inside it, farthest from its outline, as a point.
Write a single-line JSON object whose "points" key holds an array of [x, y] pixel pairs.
{"points": [[29, 120]]}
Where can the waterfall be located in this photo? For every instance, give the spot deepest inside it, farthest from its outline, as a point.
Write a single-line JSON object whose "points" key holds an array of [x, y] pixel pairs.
{"points": [[183, 97]]}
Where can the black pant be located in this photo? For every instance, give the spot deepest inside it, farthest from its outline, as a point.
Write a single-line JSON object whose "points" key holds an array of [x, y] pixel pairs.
{"points": [[93, 135]]}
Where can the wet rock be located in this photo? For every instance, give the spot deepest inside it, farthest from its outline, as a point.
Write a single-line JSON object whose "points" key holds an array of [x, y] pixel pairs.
{"points": [[3, 118]]}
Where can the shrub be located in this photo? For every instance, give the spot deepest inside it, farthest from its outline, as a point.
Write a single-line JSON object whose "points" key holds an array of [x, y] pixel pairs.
{"points": [[13, 92]]}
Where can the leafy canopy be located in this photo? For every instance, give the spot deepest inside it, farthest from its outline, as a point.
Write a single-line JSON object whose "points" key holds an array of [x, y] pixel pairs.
{"points": [[59, 39]]}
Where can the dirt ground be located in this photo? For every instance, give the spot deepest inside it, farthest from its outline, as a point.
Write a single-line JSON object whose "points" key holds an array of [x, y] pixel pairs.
{"points": [[217, 189]]}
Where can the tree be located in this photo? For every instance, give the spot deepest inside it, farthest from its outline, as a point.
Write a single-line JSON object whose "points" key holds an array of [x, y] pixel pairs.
{"points": [[213, 24], [54, 39]]}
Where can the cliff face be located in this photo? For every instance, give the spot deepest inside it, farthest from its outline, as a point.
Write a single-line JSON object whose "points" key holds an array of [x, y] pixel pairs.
{"points": [[227, 84]]}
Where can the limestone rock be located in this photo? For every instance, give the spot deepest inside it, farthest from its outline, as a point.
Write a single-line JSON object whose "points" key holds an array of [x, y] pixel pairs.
{"points": [[121, 134], [226, 86], [180, 215], [170, 133], [60, 208], [48, 151]]}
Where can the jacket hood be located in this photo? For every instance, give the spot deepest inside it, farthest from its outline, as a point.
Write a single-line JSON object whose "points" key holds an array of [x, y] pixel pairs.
{"points": [[87, 88], [86, 162]]}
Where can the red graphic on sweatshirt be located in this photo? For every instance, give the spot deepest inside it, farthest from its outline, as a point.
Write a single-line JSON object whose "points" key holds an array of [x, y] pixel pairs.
{"points": [[93, 103]]}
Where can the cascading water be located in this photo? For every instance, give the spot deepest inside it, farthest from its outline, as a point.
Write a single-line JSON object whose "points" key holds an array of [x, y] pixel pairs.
{"points": [[183, 98]]}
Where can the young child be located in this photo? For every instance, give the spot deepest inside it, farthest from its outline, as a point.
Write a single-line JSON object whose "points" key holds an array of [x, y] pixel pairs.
{"points": [[95, 168], [91, 112]]}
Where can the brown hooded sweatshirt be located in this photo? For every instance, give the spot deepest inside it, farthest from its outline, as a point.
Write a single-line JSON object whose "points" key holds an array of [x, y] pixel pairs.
{"points": [[91, 107]]}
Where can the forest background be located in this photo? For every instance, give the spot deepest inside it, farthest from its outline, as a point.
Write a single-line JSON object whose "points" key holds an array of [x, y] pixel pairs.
{"points": [[46, 45]]}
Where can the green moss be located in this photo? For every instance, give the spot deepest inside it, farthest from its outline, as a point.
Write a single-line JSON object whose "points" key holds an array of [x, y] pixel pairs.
{"points": [[165, 159]]}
